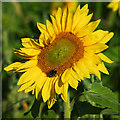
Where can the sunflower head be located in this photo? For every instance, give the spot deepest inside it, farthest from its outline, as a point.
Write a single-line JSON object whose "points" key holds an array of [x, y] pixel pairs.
{"points": [[68, 50]]}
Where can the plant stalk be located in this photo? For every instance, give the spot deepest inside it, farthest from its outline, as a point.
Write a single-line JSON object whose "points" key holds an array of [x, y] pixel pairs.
{"points": [[98, 11], [112, 18], [67, 108]]}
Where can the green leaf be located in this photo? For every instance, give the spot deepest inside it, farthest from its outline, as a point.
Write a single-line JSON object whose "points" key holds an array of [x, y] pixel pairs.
{"points": [[83, 108], [87, 83], [108, 112], [35, 108], [101, 96]]}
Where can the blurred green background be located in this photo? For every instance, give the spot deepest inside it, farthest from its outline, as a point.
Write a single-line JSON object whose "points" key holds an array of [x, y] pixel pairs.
{"points": [[19, 20]]}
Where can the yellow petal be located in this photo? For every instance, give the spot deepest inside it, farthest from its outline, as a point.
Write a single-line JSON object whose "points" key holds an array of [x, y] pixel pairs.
{"points": [[105, 58], [92, 57], [30, 43], [22, 70], [113, 5], [30, 52], [107, 37], [58, 86], [28, 64], [50, 28], [91, 62], [75, 17], [33, 91], [84, 20], [70, 74], [37, 45], [102, 68], [38, 94], [94, 37], [24, 56], [79, 72], [30, 74], [47, 89], [64, 19], [40, 25], [82, 68], [39, 83], [84, 8], [96, 48], [73, 82], [69, 21], [26, 42], [13, 66], [88, 29], [93, 69], [58, 18], [65, 76], [72, 6], [42, 40], [26, 85], [116, 6], [43, 30], [79, 11], [51, 102], [52, 99], [75, 75], [30, 88], [54, 24], [80, 19], [64, 94]]}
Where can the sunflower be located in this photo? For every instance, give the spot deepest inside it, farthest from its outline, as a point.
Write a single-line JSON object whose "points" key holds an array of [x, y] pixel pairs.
{"points": [[115, 5], [68, 50]]}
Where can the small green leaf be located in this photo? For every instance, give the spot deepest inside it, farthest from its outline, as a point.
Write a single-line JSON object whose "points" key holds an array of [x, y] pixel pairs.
{"points": [[103, 91], [87, 83], [101, 96], [83, 108], [108, 112], [35, 108]]}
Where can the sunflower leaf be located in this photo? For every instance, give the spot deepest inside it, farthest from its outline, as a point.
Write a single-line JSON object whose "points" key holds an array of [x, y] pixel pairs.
{"points": [[83, 108], [108, 112], [35, 108], [102, 97]]}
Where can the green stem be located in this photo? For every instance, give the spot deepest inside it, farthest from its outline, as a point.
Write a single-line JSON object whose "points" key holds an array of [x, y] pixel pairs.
{"points": [[92, 78], [112, 19], [98, 11], [67, 108]]}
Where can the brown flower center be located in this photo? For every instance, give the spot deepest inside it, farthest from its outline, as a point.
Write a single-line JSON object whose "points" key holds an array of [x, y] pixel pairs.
{"points": [[61, 54]]}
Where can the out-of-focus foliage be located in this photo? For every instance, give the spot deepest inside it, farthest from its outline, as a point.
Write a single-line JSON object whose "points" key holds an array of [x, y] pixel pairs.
{"points": [[19, 20]]}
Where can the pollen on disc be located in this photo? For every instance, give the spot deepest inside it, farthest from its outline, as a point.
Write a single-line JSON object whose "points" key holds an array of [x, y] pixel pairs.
{"points": [[60, 53]]}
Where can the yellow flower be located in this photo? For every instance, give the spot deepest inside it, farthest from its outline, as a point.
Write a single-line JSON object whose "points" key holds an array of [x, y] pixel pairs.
{"points": [[71, 6], [68, 50], [115, 6]]}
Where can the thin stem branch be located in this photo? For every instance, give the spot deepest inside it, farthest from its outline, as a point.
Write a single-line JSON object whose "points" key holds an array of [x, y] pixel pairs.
{"points": [[92, 78], [98, 10], [67, 108], [112, 18]]}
